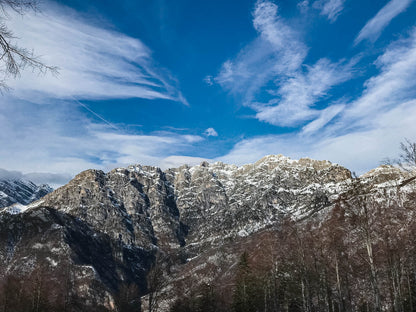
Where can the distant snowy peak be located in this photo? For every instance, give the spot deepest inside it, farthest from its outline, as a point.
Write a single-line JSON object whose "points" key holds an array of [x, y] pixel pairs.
{"points": [[21, 192]]}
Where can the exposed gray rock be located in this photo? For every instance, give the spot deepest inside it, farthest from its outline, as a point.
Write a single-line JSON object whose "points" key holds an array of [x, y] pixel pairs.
{"points": [[115, 222]]}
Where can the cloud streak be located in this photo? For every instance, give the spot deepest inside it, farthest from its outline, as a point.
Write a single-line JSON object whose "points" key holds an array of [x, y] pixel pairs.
{"points": [[270, 76], [42, 123], [276, 50], [94, 62], [372, 30], [60, 141], [365, 130], [297, 95], [330, 8], [394, 84]]}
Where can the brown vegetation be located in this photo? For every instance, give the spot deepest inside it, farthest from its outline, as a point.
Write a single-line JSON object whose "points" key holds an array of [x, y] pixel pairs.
{"points": [[358, 257]]}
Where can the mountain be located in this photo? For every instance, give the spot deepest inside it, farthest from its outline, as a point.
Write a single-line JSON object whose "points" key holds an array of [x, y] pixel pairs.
{"points": [[140, 230], [18, 191]]}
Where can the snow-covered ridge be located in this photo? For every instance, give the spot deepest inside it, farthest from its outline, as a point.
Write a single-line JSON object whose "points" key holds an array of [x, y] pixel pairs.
{"points": [[201, 204], [190, 212], [206, 203], [19, 208], [20, 192]]}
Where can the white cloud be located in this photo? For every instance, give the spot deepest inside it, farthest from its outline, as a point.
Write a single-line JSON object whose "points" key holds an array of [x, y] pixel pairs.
{"points": [[209, 80], [358, 151], [52, 179], [10, 175], [271, 67], [363, 149], [210, 132], [43, 133], [303, 6], [250, 150], [58, 139], [356, 134], [275, 31], [326, 115], [375, 26], [394, 84], [177, 161], [61, 141], [94, 62], [297, 94], [330, 8], [277, 50], [365, 130]]}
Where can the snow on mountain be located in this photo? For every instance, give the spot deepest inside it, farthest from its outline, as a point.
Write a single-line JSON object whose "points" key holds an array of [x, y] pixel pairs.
{"points": [[18, 191], [189, 213]]}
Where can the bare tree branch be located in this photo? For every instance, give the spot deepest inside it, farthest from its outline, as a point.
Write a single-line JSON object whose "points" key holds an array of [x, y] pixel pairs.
{"points": [[13, 58], [19, 6], [407, 158]]}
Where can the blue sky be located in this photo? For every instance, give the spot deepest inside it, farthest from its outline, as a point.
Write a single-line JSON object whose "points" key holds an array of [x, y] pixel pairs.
{"points": [[171, 82]]}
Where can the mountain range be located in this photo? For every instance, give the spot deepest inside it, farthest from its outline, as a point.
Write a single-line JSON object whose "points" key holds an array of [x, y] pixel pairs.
{"points": [[142, 232]]}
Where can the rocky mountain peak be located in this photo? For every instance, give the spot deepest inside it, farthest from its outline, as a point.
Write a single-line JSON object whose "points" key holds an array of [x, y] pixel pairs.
{"points": [[19, 191], [385, 173], [198, 205], [189, 213]]}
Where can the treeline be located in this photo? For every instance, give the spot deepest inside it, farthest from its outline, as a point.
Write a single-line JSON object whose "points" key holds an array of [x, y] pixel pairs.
{"points": [[359, 256], [45, 290], [36, 291]]}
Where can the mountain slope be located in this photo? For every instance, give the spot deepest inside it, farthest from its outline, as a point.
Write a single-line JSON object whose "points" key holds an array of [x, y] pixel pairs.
{"points": [[114, 226], [20, 192]]}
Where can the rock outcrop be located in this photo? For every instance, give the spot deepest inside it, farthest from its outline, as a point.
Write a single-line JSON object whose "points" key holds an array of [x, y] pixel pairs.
{"points": [[108, 227]]}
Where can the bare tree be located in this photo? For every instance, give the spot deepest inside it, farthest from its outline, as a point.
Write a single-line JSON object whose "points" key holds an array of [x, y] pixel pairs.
{"points": [[407, 157], [14, 58], [156, 280]]}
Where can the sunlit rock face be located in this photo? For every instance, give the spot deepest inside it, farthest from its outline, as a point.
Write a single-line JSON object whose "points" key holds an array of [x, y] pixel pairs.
{"points": [[191, 207], [107, 227], [219, 201]]}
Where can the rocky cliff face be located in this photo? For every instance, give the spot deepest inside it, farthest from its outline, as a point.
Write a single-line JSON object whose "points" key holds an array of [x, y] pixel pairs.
{"points": [[201, 205], [20, 192], [108, 226], [219, 201]]}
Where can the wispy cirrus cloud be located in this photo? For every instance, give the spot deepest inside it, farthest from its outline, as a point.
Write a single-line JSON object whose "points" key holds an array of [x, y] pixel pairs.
{"points": [[95, 62], [296, 96], [41, 123], [330, 8], [54, 142], [372, 30], [365, 131], [276, 50], [394, 84], [270, 76], [303, 6], [326, 115], [359, 150]]}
